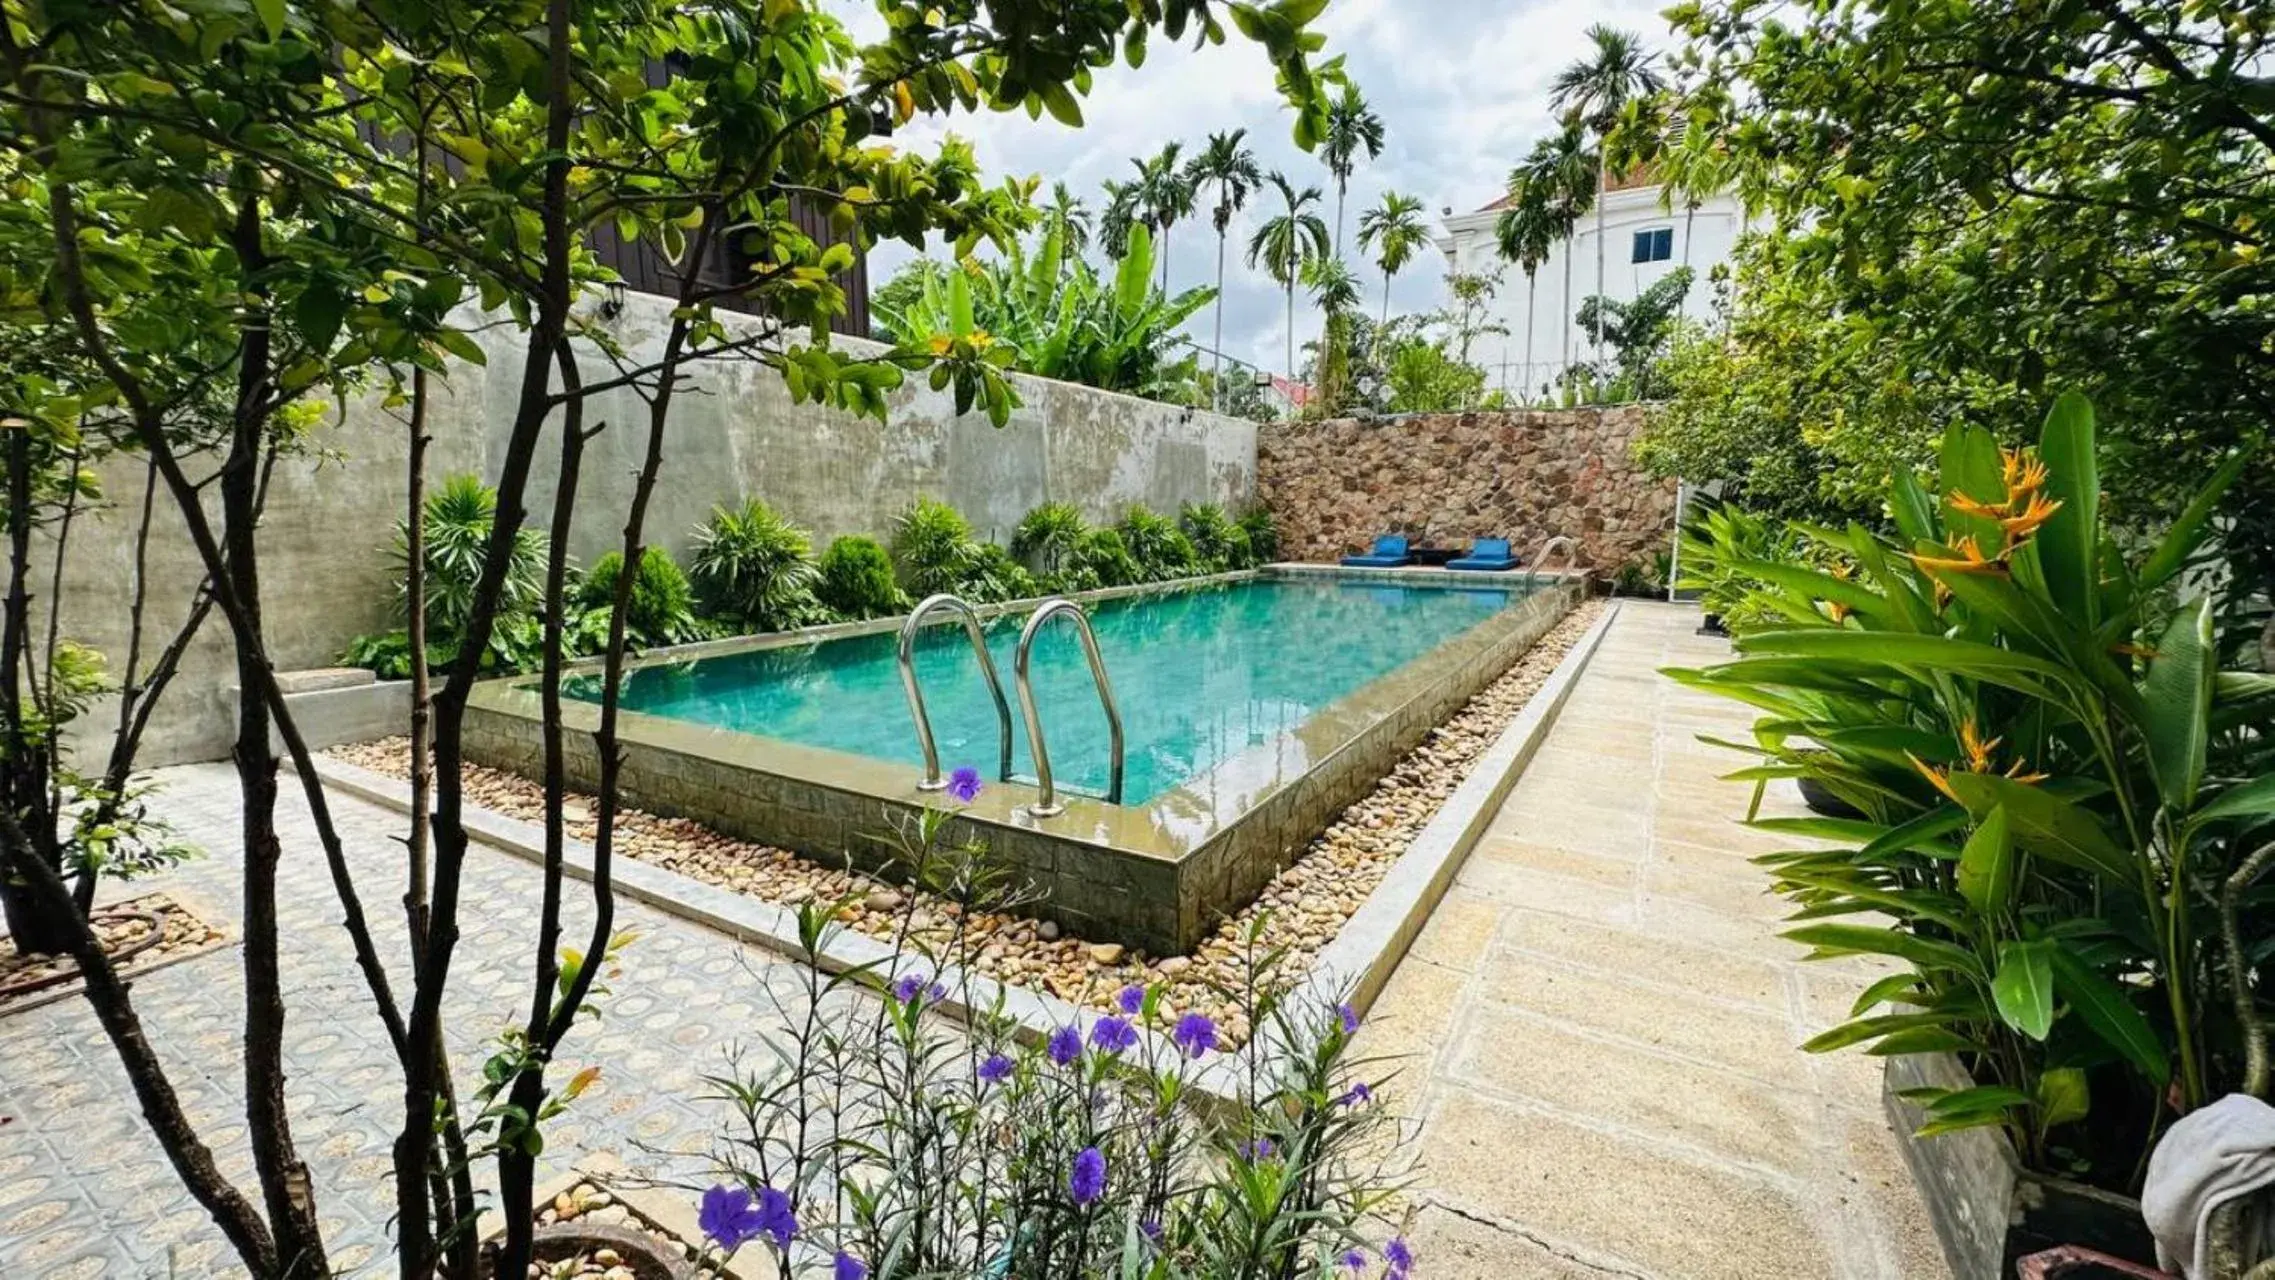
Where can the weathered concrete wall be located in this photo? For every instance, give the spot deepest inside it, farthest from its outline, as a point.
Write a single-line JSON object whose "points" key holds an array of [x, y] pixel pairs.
{"points": [[1444, 478], [330, 516]]}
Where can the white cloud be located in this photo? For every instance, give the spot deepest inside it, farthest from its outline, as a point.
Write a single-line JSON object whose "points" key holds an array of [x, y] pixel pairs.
{"points": [[1461, 85]]}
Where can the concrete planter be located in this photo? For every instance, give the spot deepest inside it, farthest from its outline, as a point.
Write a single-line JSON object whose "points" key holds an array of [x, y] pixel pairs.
{"points": [[1987, 1209]]}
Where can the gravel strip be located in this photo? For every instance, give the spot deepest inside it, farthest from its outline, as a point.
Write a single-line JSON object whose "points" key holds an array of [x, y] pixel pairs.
{"points": [[24, 978], [1302, 907]]}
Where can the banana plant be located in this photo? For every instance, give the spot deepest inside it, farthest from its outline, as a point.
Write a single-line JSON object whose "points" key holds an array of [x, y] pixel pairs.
{"points": [[2056, 825]]}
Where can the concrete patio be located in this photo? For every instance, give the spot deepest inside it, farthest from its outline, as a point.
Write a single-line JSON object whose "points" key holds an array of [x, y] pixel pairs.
{"points": [[1601, 1021]]}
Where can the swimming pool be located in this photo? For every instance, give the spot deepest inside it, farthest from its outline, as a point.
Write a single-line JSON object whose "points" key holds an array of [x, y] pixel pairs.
{"points": [[1200, 675], [1255, 708]]}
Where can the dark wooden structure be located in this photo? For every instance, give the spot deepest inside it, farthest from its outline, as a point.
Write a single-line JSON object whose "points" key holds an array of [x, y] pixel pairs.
{"points": [[643, 267]]}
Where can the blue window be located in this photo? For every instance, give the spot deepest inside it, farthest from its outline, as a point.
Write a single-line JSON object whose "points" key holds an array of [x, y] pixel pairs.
{"points": [[1656, 245]]}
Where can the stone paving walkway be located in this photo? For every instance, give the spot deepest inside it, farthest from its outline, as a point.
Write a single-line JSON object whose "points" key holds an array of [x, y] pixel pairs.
{"points": [[1602, 1022], [85, 1191]]}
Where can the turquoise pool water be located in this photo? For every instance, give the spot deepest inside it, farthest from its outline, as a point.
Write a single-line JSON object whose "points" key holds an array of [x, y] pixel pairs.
{"points": [[1200, 675]]}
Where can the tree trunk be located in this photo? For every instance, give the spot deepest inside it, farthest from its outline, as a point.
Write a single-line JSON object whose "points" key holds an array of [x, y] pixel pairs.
{"points": [[1603, 192], [1342, 187], [24, 769], [1291, 334], [1690, 214], [1385, 305], [1532, 286], [1570, 317], [1216, 391]]}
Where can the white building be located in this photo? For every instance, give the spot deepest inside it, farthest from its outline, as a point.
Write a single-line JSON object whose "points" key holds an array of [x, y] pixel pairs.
{"points": [[1643, 241]]}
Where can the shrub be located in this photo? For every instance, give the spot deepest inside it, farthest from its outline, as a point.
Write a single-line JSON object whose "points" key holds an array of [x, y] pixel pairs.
{"points": [[1162, 551], [1263, 535], [1103, 560], [2060, 791], [755, 569], [1048, 538], [855, 580], [1219, 543], [977, 1152], [933, 548], [996, 577], [662, 610], [456, 523]]}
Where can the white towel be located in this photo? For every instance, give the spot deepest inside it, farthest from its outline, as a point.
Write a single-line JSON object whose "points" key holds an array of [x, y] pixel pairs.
{"points": [[2207, 1159]]}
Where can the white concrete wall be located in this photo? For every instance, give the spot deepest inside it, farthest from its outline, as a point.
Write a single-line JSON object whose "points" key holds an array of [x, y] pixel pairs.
{"points": [[1708, 237], [325, 534]]}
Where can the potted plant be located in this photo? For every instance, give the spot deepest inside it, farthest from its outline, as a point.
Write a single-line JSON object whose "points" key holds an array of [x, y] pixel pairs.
{"points": [[2064, 810]]}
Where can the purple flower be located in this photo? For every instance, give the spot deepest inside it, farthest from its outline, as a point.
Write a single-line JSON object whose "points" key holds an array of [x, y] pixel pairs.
{"points": [[1399, 1257], [728, 1218], [1260, 1149], [1195, 1034], [1150, 1228], [1113, 1035], [996, 1068], [907, 988], [1353, 1260], [1349, 1018], [937, 992], [1130, 999], [848, 1267], [777, 1221], [1065, 1045], [1355, 1095], [1086, 1181], [964, 784]]}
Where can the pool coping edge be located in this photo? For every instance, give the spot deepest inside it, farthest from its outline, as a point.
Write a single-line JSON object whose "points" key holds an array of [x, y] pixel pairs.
{"points": [[1355, 966]]}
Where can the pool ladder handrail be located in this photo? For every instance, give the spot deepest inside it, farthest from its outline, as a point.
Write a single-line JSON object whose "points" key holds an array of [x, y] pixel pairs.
{"points": [[1571, 558], [971, 620], [1048, 806]]}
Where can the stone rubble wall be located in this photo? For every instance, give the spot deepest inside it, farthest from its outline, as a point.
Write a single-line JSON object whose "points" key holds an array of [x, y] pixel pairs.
{"points": [[1445, 478]]}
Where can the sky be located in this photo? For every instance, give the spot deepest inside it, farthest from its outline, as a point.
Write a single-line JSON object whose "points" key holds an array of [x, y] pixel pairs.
{"points": [[1461, 86]]}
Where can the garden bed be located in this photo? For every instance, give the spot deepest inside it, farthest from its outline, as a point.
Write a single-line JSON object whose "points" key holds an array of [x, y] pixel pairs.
{"points": [[138, 934], [1302, 909]]}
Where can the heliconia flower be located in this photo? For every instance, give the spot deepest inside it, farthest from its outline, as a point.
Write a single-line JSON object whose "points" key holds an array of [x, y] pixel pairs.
{"points": [[1356, 1094], [1195, 1034], [1348, 1017], [777, 1220], [1086, 1181], [847, 1267], [1113, 1035], [996, 1068], [1065, 1046], [728, 1218], [1969, 558], [964, 784], [1130, 999]]}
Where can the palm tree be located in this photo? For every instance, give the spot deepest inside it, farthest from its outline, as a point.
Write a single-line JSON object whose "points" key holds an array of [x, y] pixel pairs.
{"points": [[1287, 242], [1596, 90], [1395, 231], [1070, 216], [1120, 215], [1228, 164], [1335, 289], [1352, 127], [1559, 175], [1526, 233], [1694, 166], [1164, 198]]}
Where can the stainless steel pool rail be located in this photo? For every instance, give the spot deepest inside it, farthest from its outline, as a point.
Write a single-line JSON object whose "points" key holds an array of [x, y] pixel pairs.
{"points": [[1571, 558], [1048, 806], [971, 620]]}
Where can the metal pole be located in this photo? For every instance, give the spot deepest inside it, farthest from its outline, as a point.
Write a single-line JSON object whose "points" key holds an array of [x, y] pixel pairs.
{"points": [[1675, 555]]}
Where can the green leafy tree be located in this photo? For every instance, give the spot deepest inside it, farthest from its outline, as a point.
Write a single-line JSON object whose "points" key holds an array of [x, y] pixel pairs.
{"points": [[1555, 188], [1525, 234], [1070, 217], [1352, 127], [1596, 91], [855, 579], [1395, 231], [1335, 291], [1638, 330], [1287, 242], [1164, 195], [1228, 165]]}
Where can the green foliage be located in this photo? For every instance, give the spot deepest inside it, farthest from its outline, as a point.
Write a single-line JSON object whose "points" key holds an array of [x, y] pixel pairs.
{"points": [[856, 580], [1263, 534], [458, 518], [1218, 542], [933, 549], [1054, 315], [1719, 541], [1637, 332], [662, 608], [2091, 216], [1104, 560], [996, 577], [755, 569], [1048, 538], [2057, 784], [1160, 548]]}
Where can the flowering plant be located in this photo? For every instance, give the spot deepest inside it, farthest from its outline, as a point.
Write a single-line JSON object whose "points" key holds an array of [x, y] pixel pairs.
{"points": [[2055, 792], [1129, 1145]]}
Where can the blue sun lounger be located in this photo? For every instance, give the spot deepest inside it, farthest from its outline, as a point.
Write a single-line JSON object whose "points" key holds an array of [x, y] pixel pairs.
{"points": [[1491, 555], [1389, 553]]}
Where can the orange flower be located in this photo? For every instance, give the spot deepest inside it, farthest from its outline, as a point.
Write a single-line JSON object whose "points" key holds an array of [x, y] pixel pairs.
{"points": [[1960, 502], [1970, 559], [1940, 778], [1978, 752], [2022, 472], [2023, 523]]}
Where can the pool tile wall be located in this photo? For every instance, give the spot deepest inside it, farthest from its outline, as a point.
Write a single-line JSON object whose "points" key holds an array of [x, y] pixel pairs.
{"points": [[1158, 878]]}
